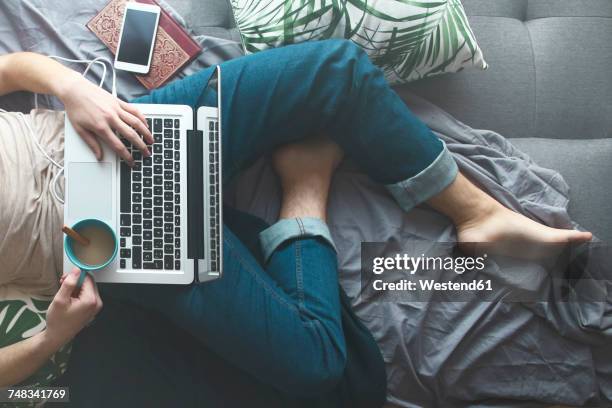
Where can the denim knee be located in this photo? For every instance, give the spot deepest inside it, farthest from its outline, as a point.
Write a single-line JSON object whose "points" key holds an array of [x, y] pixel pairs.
{"points": [[345, 53], [348, 70]]}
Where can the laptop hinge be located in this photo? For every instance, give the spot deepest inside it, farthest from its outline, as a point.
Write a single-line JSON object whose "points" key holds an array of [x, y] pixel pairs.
{"points": [[195, 195]]}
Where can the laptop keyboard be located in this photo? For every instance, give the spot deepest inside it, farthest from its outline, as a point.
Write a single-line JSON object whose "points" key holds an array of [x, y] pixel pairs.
{"points": [[214, 183], [150, 207]]}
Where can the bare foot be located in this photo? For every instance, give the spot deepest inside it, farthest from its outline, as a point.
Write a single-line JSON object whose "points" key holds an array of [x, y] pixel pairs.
{"points": [[305, 170], [504, 224], [482, 220], [503, 231]]}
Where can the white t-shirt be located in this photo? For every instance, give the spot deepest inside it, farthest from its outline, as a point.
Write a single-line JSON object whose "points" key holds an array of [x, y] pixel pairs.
{"points": [[30, 230], [30, 218]]}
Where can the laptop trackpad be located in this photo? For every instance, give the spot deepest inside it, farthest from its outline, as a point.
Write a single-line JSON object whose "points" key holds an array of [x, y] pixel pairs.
{"points": [[89, 190]]}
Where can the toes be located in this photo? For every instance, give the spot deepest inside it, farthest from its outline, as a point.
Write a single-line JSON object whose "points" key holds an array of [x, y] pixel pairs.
{"points": [[570, 236], [580, 236]]}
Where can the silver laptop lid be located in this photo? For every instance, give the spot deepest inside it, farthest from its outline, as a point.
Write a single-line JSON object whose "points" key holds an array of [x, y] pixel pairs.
{"points": [[211, 266]]}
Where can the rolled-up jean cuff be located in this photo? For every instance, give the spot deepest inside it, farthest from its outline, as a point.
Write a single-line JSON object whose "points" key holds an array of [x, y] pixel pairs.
{"points": [[291, 228], [429, 182]]}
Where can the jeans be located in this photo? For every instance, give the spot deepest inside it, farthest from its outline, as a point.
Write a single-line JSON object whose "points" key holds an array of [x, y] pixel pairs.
{"points": [[275, 313]]}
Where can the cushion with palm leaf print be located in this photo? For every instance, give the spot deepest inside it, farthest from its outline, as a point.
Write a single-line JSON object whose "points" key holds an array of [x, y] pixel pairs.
{"points": [[23, 316], [408, 39]]}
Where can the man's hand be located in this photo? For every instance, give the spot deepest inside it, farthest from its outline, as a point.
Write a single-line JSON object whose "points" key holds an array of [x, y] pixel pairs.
{"points": [[96, 114], [69, 312]]}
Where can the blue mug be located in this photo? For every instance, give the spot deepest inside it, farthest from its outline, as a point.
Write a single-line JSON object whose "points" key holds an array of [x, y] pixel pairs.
{"points": [[86, 268]]}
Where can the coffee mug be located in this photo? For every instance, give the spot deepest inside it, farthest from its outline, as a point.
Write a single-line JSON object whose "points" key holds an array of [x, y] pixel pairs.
{"points": [[70, 249]]}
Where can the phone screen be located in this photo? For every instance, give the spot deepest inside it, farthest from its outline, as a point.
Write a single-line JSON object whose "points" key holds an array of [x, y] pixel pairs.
{"points": [[138, 29]]}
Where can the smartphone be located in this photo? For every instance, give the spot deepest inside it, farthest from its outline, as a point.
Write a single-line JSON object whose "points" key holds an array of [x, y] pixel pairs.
{"points": [[137, 38]]}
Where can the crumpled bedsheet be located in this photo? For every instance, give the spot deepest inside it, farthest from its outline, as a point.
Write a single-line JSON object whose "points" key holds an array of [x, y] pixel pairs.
{"points": [[438, 354]]}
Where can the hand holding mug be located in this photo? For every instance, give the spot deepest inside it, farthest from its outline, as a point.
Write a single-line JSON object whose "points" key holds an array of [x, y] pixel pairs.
{"points": [[91, 245], [71, 309]]}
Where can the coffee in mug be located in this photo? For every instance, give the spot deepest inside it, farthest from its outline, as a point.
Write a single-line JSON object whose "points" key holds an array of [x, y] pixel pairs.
{"points": [[101, 245]]}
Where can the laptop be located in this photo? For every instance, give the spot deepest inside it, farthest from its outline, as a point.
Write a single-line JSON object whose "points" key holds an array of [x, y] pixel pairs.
{"points": [[167, 209]]}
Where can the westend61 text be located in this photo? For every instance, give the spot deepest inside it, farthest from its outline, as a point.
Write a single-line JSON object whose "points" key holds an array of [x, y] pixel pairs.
{"points": [[431, 285]]}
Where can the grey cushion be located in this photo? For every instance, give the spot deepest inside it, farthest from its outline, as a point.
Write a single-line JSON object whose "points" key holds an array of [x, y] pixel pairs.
{"points": [[549, 70], [573, 76], [549, 76]]}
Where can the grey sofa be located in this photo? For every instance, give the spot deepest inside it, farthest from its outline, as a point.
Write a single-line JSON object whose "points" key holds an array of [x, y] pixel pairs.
{"points": [[548, 87]]}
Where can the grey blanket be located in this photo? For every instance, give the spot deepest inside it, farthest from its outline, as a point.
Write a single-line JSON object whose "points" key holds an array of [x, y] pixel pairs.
{"points": [[438, 353]]}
